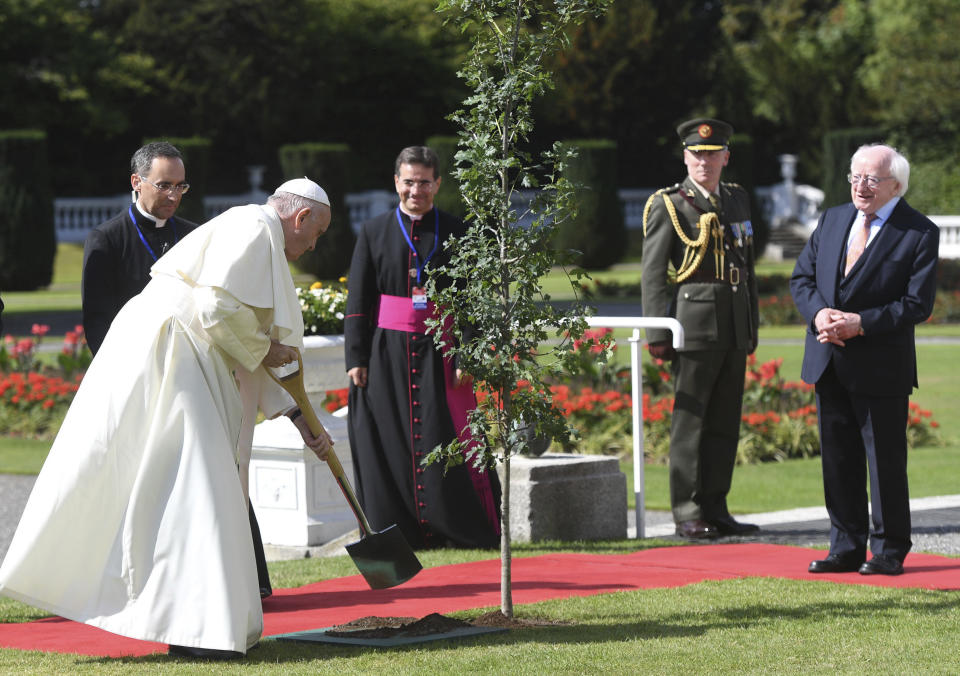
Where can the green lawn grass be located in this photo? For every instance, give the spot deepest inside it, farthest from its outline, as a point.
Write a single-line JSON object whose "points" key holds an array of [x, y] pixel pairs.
{"points": [[62, 294], [742, 626]]}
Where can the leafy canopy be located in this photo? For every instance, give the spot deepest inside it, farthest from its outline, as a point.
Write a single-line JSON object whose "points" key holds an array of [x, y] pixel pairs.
{"points": [[499, 316]]}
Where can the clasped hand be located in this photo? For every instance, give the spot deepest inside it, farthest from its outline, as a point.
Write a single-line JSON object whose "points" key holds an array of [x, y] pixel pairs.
{"points": [[835, 326]]}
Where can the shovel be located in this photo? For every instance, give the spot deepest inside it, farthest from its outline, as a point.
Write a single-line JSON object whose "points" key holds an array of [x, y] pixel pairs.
{"points": [[385, 559]]}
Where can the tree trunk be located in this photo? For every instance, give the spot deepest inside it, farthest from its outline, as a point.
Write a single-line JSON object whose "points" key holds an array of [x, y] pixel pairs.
{"points": [[506, 584]]}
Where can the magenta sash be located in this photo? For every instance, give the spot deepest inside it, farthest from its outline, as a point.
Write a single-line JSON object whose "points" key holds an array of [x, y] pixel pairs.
{"points": [[398, 314]]}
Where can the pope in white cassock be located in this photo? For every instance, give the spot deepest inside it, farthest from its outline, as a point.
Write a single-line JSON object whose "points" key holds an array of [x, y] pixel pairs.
{"points": [[138, 522]]}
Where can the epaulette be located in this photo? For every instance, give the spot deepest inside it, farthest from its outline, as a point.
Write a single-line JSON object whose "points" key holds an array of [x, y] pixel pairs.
{"points": [[650, 201], [732, 185]]}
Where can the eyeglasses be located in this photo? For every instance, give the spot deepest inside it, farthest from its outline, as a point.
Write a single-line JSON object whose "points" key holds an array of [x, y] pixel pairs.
{"points": [[871, 181], [168, 188]]}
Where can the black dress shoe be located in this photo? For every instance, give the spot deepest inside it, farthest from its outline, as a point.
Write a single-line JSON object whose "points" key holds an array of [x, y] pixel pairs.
{"points": [[881, 564], [203, 653], [265, 593], [834, 564], [727, 525], [696, 529]]}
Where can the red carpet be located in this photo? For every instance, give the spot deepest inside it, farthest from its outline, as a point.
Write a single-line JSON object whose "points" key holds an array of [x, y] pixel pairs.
{"points": [[474, 585]]}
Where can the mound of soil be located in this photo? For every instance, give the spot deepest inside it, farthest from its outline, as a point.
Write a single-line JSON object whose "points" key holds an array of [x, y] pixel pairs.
{"points": [[434, 623]]}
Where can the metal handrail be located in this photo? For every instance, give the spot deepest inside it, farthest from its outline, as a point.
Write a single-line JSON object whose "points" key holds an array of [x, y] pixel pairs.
{"points": [[636, 379]]}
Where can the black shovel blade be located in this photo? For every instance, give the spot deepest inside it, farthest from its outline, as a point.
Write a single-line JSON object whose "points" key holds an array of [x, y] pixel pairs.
{"points": [[385, 559]]}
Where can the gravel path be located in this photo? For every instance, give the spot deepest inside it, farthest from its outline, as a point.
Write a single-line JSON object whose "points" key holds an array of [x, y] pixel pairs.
{"points": [[14, 491]]}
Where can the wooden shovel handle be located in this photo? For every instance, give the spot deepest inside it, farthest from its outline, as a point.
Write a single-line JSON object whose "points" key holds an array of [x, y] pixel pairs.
{"points": [[293, 383]]}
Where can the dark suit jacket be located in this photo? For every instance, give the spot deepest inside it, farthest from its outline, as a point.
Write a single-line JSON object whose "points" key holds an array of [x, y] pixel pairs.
{"points": [[892, 287], [116, 267]]}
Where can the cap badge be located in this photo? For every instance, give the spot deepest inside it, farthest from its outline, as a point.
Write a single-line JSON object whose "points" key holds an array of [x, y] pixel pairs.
{"points": [[705, 131]]}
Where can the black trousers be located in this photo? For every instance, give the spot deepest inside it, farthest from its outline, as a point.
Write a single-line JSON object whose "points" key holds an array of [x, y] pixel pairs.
{"points": [[263, 575], [705, 431], [860, 433]]}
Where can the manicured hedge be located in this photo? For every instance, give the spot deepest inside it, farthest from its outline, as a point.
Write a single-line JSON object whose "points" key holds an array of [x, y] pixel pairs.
{"points": [[329, 164], [27, 238], [598, 231]]}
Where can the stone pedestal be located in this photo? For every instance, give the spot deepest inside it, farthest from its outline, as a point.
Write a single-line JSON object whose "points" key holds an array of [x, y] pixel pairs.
{"points": [[560, 496], [296, 498]]}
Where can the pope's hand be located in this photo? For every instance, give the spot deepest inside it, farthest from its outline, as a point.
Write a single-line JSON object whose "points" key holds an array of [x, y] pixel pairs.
{"points": [[279, 355], [321, 444]]}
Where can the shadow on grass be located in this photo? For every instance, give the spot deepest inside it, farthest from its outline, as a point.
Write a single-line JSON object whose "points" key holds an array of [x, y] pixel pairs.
{"points": [[696, 614]]}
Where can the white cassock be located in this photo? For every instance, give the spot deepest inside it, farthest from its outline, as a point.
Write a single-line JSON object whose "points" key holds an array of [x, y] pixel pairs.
{"points": [[137, 522]]}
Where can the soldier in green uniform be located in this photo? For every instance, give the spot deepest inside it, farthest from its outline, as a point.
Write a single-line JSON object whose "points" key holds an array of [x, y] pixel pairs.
{"points": [[698, 267]]}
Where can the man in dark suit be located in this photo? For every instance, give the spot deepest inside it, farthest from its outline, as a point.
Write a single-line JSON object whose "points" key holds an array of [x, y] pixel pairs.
{"points": [[118, 253], [701, 228], [865, 278]]}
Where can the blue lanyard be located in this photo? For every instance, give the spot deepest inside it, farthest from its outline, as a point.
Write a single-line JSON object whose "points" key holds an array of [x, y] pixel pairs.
{"points": [[144, 239], [436, 240]]}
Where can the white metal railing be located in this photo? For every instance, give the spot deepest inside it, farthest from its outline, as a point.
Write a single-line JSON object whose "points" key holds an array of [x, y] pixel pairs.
{"points": [[636, 380]]}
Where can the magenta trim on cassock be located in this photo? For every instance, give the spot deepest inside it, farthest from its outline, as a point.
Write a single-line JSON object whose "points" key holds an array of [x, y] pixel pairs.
{"points": [[397, 313]]}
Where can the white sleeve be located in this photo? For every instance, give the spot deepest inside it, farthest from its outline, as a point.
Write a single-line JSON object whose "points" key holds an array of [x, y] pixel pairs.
{"points": [[273, 400], [233, 326]]}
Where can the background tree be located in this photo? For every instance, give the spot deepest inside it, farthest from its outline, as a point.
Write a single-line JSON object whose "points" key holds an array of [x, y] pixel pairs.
{"points": [[912, 74], [253, 76], [631, 75], [791, 76], [62, 72], [497, 264]]}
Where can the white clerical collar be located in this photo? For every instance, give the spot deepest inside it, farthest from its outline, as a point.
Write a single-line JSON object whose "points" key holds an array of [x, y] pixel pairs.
{"points": [[158, 222], [414, 217]]}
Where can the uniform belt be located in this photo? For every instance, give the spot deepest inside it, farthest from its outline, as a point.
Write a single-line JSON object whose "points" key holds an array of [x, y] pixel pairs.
{"points": [[730, 276]]}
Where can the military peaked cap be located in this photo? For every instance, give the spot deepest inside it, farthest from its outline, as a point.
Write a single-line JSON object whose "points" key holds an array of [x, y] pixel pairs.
{"points": [[705, 134]]}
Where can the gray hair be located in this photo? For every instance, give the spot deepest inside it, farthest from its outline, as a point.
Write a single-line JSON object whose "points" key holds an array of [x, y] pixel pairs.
{"points": [[287, 204], [897, 164], [143, 159]]}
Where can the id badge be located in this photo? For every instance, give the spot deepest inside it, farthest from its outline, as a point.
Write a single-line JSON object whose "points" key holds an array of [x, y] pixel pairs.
{"points": [[419, 298]]}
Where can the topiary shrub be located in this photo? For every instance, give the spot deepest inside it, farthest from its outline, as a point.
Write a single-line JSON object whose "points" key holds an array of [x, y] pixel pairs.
{"points": [[448, 198], [196, 161], [329, 164], [28, 242], [597, 231]]}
